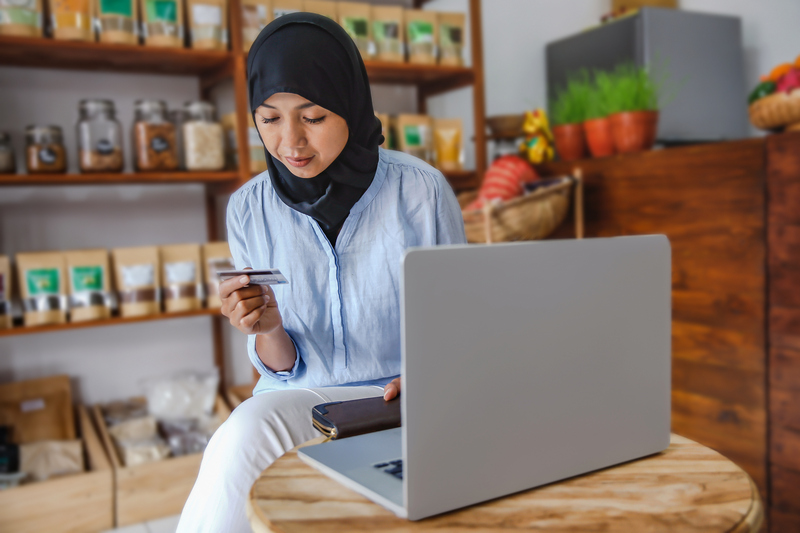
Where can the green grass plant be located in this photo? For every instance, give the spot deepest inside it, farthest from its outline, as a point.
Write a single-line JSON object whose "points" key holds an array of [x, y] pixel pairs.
{"points": [[626, 88], [570, 104]]}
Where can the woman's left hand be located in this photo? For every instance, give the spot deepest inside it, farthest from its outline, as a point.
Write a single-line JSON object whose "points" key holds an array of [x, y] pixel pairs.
{"points": [[392, 390]]}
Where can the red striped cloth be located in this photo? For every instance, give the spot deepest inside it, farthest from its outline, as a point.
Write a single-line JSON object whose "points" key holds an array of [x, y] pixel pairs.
{"points": [[503, 180]]}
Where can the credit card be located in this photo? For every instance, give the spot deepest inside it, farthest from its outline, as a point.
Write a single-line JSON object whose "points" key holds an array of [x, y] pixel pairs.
{"points": [[257, 277]]}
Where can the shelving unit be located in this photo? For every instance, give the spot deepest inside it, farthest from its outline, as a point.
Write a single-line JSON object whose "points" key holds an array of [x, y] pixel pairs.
{"points": [[213, 67]]}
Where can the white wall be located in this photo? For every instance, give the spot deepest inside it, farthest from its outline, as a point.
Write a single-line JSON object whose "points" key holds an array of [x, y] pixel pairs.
{"points": [[109, 363]]}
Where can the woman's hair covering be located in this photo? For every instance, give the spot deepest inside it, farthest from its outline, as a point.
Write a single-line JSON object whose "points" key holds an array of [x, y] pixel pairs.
{"points": [[312, 56]]}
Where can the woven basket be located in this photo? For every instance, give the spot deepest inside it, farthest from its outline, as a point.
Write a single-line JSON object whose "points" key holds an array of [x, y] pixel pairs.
{"points": [[776, 110], [533, 216]]}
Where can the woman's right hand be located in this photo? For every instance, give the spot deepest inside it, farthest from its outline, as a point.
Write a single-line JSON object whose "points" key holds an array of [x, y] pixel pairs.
{"points": [[251, 309]]}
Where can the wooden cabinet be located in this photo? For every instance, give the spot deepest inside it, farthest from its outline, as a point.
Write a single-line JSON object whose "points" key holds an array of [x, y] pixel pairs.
{"points": [[732, 214]]}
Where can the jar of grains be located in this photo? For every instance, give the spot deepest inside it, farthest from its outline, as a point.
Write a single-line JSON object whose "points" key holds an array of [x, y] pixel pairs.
{"points": [[203, 140], [178, 117], [99, 137], [154, 137], [7, 165], [44, 150]]}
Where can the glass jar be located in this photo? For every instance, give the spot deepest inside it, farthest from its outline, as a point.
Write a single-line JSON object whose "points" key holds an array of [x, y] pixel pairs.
{"points": [[203, 138], [154, 137], [99, 137], [7, 165], [44, 150]]}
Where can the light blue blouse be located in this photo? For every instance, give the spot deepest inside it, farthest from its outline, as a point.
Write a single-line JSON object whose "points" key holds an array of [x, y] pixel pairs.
{"points": [[341, 307]]}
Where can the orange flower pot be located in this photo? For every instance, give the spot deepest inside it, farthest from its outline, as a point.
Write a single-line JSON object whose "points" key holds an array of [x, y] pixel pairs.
{"points": [[598, 137], [634, 131], [570, 141]]}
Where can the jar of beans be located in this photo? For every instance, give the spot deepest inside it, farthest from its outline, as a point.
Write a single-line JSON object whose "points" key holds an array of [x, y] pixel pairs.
{"points": [[203, 138], [154, 137], [7, 165], [99, 137], [44, 150]]}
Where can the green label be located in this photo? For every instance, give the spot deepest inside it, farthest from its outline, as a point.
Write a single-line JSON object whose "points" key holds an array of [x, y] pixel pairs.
{"points": [[19, 15], [86, 278], [116, 7], [42, 281], [413, 135], [356, 26], [420, 31], [162, 11]]}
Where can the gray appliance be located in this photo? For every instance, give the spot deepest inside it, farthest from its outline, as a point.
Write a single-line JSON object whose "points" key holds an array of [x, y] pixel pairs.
{"points": [[697, 56]]}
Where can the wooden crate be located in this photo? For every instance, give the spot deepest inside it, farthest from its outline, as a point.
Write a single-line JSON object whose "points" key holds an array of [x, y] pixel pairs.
{"points": [[79, 503], [152, 490], [238, 393]]}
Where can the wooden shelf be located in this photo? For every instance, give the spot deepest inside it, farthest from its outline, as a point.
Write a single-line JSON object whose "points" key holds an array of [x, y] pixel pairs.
{"points": [[116, 321], [50, 53], [434, 78], [223, 177]]}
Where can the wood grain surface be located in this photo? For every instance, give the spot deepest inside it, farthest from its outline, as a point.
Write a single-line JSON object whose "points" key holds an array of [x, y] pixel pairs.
{"points": [[686, 488], [710, 201], [783, 237]]}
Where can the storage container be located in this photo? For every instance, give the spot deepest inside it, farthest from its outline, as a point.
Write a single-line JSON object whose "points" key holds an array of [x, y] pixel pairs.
{"points": [[99, 137], [44, 150], [154, 137], [203, 138]]}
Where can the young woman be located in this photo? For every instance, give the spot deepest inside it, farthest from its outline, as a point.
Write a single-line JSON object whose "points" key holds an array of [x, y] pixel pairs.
{"points": [[334, 214]]}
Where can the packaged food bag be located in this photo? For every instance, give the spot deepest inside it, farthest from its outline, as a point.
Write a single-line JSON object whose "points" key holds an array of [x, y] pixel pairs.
{"points": [[355, 18], [181, 275], [21, 18], [117, 21], [414, 135], [208, 24], [43, 287], [89, 280], [255, 15], [162, 23], [388, 33], [71, 20], [448, 143], [421, 35], [451, 39], [137, 279]]}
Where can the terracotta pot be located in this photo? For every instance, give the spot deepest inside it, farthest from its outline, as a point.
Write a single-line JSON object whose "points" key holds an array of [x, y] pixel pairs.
{"points": [[570, 141], [598, 137], [634, 131]]}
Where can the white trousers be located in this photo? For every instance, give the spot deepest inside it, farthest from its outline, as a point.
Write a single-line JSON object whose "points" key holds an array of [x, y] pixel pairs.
{"points": [[259, 431]]}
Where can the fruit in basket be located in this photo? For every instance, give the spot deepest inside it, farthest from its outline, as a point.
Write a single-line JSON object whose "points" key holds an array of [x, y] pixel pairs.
{"points": [[765, 88], [779, 71], [503, 181], [789, 81]]}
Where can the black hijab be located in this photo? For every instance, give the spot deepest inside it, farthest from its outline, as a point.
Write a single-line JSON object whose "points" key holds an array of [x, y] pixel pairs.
{"points": [[312, 56]]}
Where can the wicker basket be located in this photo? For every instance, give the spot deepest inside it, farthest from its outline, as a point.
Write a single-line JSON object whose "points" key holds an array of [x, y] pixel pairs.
{"points": [[776, 110], [533, 216]]}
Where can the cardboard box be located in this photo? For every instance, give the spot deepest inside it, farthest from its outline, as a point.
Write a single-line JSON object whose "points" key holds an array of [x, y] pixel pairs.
{"points": [[152, 490], [78, 502]]}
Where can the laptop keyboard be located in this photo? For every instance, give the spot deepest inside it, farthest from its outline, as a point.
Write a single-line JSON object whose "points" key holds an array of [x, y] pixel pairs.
{"points": [[394, 468]]}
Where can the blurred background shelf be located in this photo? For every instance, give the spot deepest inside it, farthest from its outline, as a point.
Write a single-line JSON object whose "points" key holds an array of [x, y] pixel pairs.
{"points": [[141, 178]]}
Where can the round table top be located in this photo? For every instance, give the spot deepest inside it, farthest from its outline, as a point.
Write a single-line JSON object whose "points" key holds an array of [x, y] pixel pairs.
{"points": [[686, 488]]}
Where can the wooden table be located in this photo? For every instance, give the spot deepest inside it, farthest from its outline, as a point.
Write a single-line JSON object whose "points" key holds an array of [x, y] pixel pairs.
{"points": [[686, 488]]}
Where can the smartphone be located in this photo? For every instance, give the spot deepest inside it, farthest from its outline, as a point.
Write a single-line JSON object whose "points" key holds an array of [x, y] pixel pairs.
{"points": [[257, 277]]}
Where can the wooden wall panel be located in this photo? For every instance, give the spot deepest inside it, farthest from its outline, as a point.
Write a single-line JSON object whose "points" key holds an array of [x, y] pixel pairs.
{"points": [[783, 237], [710, 201]]}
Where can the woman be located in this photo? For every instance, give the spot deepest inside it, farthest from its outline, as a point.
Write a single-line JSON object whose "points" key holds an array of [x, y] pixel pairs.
{"points": [[334, 214]]}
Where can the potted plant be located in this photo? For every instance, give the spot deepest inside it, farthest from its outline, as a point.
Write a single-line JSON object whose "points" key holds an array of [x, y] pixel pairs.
{"points": [[634, 108], [568, 109], [597, 124]]}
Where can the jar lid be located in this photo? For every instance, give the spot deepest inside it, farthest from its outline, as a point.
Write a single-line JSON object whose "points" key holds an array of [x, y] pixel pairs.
{"points": [[199, 106], [43, 130], [96, 104], [148, 106]]}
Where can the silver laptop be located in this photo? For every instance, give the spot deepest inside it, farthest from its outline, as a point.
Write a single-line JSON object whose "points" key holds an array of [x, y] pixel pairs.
{"points": [[522, 364]]}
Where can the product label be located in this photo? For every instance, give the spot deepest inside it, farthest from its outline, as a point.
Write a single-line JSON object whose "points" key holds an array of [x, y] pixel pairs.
{"points": [[451, 35], [420, 31], [86, 278], [180, 272], [279, 12], [36, 404], [138, 275], [116, 7], [415, 135], [159, 144], [356, 27], [205, 15], [47, 155], [162, 11], [385, 30], [42, 281], [104, 147]]}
